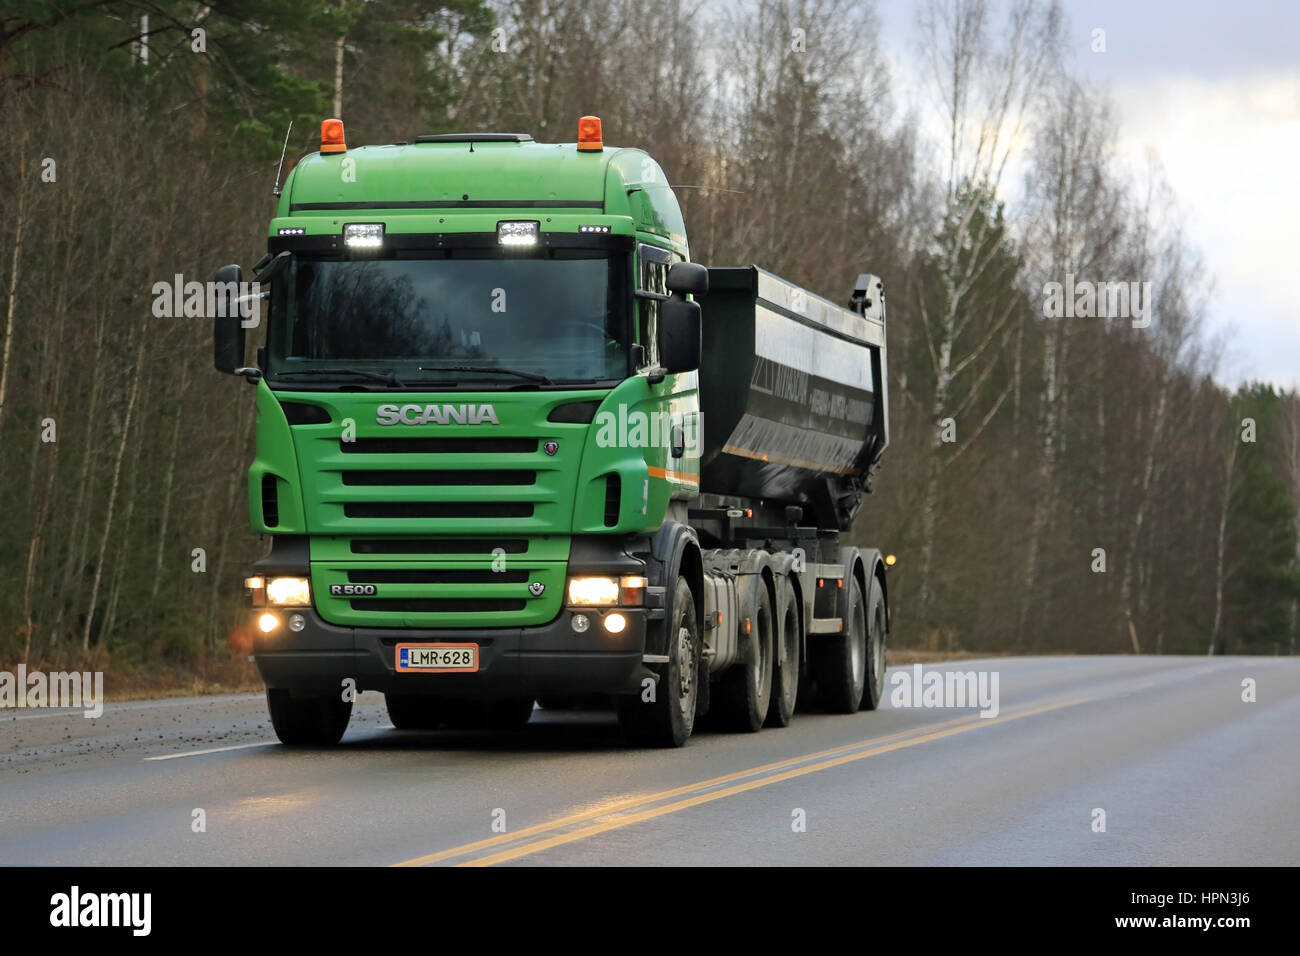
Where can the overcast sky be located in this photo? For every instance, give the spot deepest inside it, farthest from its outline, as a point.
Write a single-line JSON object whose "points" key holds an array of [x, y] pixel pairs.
{"points": [[1213, 91]]}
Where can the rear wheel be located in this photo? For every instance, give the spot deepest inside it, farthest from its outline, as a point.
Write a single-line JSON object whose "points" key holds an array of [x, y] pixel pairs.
{"points": [[308, 721], [785, 681], [875, 613], [841, 659], [745, 691], [663, 714]]}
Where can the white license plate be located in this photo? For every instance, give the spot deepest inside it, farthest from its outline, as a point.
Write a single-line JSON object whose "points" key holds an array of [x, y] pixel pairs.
{"points": [[436, 658]]}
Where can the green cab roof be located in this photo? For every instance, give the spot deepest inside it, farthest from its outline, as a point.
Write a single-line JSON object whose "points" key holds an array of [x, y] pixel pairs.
{"points": [[446, 178]]}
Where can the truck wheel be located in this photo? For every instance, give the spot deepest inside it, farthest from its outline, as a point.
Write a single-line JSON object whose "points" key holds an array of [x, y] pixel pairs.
{"points": [[668, 718], [841, 659], [785, 681], [415, 712], [875, 683], [307, 721], [745, 691]]}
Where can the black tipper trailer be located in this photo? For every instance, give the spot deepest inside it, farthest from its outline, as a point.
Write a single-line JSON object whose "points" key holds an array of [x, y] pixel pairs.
{"points": [[794, 401]]}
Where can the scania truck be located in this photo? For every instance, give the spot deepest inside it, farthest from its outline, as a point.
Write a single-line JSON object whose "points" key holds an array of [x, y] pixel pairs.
{"points": [[513, 444]]}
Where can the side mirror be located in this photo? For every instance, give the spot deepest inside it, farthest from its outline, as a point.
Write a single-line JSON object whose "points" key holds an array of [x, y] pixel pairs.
{"points": [[688, 278], [679, 333], [227, 326]]}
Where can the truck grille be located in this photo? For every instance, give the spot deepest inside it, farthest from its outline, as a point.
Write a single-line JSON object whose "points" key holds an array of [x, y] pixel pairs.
{"points": [[439, 509], [424, 546], [438, 478], [437, 605], [438, 446], [479, 592], [459, 487], [455, 526]]}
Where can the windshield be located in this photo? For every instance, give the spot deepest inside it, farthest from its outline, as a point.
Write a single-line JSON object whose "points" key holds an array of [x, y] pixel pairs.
{"points": [[563, 317]]}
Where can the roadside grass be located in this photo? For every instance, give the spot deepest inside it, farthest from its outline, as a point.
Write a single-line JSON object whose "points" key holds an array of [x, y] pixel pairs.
{"points": [[226, 672]]}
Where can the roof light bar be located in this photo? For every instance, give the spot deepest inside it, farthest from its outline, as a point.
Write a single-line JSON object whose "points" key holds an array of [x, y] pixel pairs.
{"points": [[363, 235], [517, 234]]}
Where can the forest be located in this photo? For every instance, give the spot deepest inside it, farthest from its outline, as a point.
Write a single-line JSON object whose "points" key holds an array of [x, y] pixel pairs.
{"points": [[1059, 480]]}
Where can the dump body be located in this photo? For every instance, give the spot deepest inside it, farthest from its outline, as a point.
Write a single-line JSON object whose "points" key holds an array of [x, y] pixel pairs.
{"points": [[791, 394]]}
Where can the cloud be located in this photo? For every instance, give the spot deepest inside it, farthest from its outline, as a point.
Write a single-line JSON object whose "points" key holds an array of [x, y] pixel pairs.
{"points": [[1229, 151]]}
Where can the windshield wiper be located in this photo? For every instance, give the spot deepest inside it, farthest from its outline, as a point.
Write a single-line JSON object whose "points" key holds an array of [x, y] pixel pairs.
{"points": [[531, 376], [388, 378]]}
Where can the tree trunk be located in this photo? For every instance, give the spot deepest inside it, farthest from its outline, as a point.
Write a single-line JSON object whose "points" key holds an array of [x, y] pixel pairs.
{"points": [[112, 489], [1221, 542], [13, 286]]}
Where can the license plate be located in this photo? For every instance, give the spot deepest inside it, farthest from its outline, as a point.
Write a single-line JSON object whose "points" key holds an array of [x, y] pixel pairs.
{"points": [[436, 658]]}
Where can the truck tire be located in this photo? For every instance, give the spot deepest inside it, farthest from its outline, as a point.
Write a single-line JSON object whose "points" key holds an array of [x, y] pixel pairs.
{"points": [[745, 691], [308, 721], [668, 719], [841, 659], [875, 613], [785, 679], [414, 712]]}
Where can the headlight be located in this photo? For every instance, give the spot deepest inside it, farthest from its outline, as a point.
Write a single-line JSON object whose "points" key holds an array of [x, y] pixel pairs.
{"points": [[593, 592], [289, 592]]}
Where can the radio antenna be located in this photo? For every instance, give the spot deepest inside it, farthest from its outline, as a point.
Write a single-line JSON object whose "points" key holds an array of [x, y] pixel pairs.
{"points": [[275, 190]]}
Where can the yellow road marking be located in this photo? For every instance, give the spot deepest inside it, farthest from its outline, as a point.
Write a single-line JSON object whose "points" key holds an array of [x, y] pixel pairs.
{"points": [[563, 838], [934, 731], [630, 802]]}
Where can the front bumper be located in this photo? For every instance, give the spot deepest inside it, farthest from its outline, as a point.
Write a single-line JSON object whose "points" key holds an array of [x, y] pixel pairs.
{"points": [[513, 662]]}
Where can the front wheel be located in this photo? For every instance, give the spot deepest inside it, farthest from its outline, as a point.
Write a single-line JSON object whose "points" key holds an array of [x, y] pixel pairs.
{"points": [[308, 721], [663, 713]]}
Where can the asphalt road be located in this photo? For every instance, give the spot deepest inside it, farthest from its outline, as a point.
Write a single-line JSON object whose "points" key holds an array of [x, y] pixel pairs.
{"points": [[1186, 772]]}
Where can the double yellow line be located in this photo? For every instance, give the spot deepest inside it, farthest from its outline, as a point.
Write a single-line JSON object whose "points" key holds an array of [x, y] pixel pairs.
{"points": [[558, 832]]}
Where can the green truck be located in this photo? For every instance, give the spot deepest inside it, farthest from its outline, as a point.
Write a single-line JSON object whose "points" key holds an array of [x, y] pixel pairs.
{"points": [[512, 444]]}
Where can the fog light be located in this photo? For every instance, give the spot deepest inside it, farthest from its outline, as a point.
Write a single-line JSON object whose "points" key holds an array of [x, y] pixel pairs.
{"points": [[268, 623], [615, 622], [297, 622], [580, 623]]}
